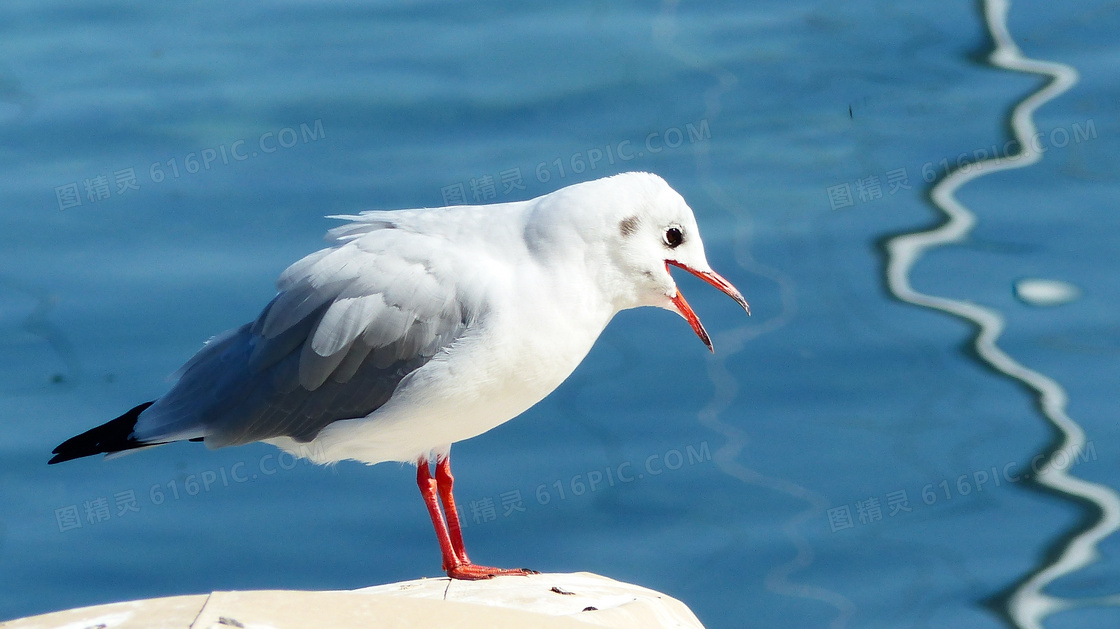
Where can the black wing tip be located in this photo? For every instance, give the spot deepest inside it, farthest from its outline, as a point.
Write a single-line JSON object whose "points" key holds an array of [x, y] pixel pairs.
{"points": [[112, 436], [62, 458]]}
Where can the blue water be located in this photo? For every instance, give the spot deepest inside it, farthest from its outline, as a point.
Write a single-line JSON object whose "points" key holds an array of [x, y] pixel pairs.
{"points": [[834, 393]]}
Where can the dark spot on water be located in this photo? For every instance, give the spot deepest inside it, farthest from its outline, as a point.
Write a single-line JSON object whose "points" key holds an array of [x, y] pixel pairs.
{"points": [[58, 378], [628, 226]]}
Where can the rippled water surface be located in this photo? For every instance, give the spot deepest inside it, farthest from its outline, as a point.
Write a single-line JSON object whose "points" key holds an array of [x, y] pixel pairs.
{"points": [[854, 455]]}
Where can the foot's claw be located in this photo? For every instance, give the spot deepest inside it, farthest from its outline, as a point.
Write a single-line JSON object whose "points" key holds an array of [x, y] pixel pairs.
{"points": [[472, 572]]}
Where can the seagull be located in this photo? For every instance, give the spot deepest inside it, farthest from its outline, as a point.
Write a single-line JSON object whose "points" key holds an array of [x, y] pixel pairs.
{"points": [[416, 329]]}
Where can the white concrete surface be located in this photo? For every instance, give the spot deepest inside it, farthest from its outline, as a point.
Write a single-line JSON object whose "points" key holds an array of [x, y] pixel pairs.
{"points": [[547, 601]]}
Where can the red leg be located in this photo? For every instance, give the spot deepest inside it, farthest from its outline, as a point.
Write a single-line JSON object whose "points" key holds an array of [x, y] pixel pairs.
{"points": [[428, 486], [450, 534], [445, 481]]}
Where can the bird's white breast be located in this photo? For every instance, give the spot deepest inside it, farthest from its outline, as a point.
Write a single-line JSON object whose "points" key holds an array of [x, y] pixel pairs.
{"points": [[536, 330]]}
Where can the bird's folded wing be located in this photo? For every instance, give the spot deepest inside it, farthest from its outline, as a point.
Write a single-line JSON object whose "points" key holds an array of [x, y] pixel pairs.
{"points": [[348, 325]]}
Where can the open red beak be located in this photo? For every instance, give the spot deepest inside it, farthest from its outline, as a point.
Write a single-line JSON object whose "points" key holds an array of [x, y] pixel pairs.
{"points": [[686, 311]]}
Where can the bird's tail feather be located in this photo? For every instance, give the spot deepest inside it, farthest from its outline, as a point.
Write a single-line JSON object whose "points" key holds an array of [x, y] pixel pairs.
{"points": [[113, 436]]}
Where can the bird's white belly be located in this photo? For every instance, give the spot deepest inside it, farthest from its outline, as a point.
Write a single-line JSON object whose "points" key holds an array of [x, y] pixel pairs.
{"points": [[454, 397]]}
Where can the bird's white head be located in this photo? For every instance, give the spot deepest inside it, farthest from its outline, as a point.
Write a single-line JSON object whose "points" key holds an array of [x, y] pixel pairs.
{"points": [[635, 228]]}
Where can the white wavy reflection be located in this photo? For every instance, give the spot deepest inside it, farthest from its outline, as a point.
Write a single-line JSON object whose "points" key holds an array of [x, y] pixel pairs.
{"points": [[1028, 605]]}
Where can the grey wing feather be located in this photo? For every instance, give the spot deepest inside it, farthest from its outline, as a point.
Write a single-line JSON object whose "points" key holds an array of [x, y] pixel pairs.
{"points": [[348, 325]]}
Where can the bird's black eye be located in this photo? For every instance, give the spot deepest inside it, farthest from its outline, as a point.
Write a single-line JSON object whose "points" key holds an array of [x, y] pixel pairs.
{"points": [[673, 237]]}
